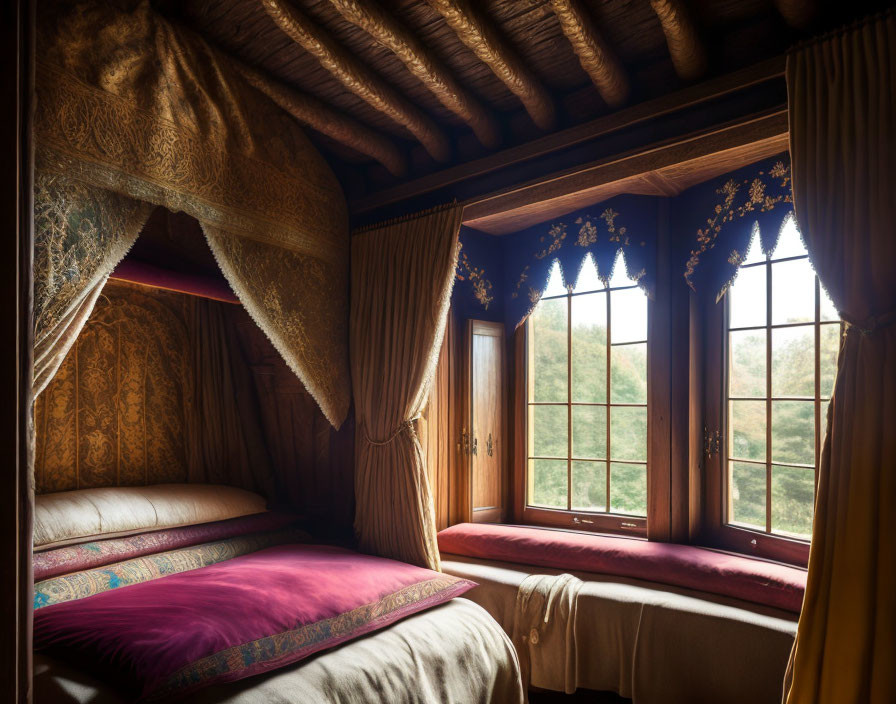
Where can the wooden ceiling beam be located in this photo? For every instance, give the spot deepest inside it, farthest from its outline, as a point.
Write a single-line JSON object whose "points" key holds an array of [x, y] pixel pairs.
{"points": [[797, 13], [657, 108], [598, 60], [685, 47], [379, 24], [357, 78], [534, 199], [322, 118], [480, 36]]}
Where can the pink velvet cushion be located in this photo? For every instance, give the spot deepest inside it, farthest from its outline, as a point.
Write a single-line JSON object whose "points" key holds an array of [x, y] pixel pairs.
{"points": [[686, 566], [164, 638]]}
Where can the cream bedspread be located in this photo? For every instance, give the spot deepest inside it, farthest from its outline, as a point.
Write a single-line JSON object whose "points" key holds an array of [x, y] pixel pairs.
{"points": [[455, 652]]}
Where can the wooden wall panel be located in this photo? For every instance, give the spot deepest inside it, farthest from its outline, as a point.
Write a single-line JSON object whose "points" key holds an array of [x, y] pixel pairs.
{"points": [[439, 430]]}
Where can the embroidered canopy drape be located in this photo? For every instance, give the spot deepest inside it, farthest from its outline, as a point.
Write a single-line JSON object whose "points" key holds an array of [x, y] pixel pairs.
{"points": [[842, 96], [402, 275], [133, 110]]}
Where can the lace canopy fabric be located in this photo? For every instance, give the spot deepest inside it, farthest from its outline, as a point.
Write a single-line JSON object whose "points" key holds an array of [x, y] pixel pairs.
{"points": [[133, 110], [716, 220]]}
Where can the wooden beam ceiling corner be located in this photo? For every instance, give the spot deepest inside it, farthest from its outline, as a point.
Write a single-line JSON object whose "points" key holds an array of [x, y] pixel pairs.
{"points": [[420, 61], [518, 206], [322, 118], [479, 35], [357, 77], [596, 57], [685, 46], [797, 13]]}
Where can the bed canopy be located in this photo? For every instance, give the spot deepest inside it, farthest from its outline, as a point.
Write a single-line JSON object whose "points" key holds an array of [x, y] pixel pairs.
{"points": [[140, 113]]}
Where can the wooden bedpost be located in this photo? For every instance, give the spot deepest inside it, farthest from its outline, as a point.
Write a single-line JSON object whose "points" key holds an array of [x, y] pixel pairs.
{"points": [[16, 86]]}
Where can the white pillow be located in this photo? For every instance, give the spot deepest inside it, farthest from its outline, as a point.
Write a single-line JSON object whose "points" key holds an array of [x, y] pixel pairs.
{"points": [[78, 516]]}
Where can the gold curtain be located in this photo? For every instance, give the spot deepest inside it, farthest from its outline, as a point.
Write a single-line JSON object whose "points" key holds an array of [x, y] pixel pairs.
{"points": [[842, 99], [136, 106], [402, 274]]}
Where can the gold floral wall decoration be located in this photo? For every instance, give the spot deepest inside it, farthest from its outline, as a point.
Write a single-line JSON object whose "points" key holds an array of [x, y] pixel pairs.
{"points": [[750, 196], [482, 287], [557, 234]]}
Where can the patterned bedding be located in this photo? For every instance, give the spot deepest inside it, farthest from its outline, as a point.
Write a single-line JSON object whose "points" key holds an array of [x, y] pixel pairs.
{"points": [[166, 624]]}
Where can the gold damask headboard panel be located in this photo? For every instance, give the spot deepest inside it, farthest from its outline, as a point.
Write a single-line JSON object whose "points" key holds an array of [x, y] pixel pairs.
{"points": [[120, 410]]}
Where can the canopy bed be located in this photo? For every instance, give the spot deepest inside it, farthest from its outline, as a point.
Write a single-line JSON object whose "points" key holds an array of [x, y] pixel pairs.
{"points": [[147, 401]]}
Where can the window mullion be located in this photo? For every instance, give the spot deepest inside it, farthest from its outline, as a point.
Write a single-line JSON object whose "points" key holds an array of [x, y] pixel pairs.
{"points": [[568, 402], [609, 398], [768, 396]]}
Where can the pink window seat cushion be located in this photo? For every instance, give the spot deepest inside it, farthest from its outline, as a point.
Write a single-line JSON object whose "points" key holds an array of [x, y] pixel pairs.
{"points": [[687, 566]]}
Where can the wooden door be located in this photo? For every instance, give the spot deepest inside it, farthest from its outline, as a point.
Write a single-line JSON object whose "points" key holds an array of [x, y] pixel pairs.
{"points": [[485, 444]]}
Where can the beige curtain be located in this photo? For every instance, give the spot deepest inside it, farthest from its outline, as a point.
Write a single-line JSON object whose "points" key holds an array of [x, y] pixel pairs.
{"points": [[228, 446], [402, 275], [133, 105], [842, 94]]}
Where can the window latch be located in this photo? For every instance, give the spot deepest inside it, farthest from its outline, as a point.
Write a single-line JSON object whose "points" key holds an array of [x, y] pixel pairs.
{"points": [[576, 519], [711, 441]]}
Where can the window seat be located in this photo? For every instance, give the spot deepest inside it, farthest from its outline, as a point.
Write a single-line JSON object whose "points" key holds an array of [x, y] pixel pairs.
{"points": [[758, 581]]}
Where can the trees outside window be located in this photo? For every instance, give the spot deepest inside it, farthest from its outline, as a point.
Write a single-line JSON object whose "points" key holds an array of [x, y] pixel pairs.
{"points": [[587, 395], [783, 337]]}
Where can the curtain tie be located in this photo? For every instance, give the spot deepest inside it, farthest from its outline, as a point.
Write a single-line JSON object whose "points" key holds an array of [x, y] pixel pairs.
{"points": [[405, 424], [872, 323]]}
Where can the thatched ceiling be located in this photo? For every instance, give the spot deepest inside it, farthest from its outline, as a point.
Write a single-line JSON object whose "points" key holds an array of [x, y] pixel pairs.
{"points": [[648, 47]]}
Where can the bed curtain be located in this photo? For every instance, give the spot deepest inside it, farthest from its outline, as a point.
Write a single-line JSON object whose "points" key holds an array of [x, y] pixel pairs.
{"points": [[843, 140], [402, 276], [133, 111]]}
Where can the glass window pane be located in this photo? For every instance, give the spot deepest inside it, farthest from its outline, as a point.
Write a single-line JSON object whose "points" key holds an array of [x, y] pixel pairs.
{"points": [[619, 275], [628, 488], [555, 285], [547, 428], [746, 488], [587, 279], [746, 359], [628, 310], [589, 348], [589, 486], [747, 298], [793, 500], [793, 361], [793, 432], [628, 433], [746, 426], [793, 292], [547, 340], [628, 373], [754, 251], [789, 242], [547, 483], [828, 311], [830, 348], [589, 431]]}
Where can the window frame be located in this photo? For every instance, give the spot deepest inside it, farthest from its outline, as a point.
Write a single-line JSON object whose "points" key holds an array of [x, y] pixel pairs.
{"points": [[591, 521], [716, 342]]}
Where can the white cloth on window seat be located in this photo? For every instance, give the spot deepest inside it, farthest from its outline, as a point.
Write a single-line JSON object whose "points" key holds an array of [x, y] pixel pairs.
{"points": [[649, 642], [543, 631]]}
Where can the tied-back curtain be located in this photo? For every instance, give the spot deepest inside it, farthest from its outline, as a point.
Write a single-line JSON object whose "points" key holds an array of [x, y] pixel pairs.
{"points": [[842, 99], [402, 275], [133, 105]]}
